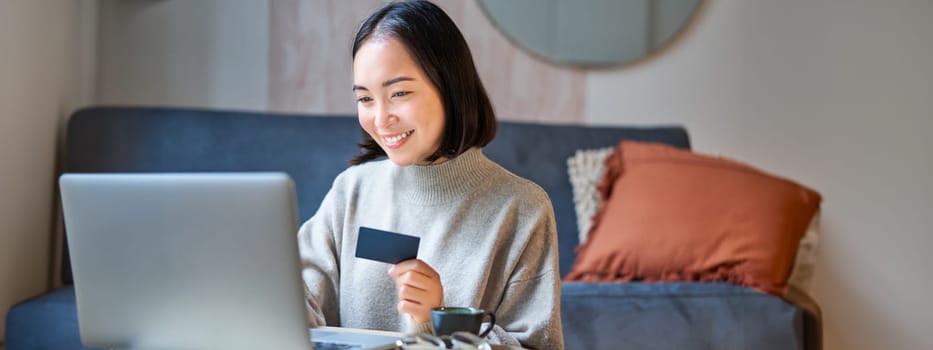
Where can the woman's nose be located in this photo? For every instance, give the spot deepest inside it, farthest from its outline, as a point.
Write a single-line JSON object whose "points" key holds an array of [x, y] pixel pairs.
{"points": [[384, 117]]}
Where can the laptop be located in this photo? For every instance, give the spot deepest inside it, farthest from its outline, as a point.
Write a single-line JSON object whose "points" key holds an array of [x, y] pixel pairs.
{"points": [[192, 261]]}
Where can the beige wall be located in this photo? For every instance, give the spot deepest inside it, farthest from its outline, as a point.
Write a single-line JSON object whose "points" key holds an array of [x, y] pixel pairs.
{"points": [[44, 74], [837, 94], [205, 53]]}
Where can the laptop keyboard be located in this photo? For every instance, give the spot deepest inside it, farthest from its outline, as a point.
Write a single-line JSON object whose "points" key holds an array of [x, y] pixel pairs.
{"points": [[334, 346]]}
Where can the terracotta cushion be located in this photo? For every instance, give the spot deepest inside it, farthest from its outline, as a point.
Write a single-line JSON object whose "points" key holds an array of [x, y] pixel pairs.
{"points": [[672, 215]]}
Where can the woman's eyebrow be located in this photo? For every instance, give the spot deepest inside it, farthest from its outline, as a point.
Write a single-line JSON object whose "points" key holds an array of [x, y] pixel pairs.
{"points": [[385, 83], [396, 80]]}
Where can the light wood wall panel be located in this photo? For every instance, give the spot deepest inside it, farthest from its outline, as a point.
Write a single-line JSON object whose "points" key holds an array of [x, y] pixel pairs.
{"points": [[309, 62]]}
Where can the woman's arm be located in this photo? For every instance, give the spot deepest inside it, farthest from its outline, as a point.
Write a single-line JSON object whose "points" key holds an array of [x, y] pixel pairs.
{"points": [[530, 308], [317, 247]]}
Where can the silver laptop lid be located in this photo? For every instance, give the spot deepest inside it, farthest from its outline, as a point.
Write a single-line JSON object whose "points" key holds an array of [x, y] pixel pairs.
{"points": [[185, 261]]}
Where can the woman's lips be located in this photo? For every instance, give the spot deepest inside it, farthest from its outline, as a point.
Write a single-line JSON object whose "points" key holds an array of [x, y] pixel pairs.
{"points": [[396, 140]]}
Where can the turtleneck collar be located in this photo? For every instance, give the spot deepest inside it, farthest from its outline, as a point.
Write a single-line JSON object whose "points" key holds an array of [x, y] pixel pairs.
{"points": [[444, 182]]}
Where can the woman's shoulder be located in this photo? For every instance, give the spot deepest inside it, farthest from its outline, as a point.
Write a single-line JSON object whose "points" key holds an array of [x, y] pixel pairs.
{"points": [[507, 183], [528, 200]]}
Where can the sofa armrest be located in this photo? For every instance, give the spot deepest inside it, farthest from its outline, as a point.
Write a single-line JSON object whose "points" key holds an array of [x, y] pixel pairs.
{"points": [[676, 316], [812, 317]]}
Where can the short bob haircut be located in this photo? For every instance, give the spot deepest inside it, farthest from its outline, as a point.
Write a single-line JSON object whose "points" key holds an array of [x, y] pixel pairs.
{"points": [[438, 47]]}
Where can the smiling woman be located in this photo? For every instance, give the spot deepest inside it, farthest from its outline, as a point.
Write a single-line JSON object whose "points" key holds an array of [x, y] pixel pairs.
{"points": [[422, 105], [408, 80], [398, 106]]}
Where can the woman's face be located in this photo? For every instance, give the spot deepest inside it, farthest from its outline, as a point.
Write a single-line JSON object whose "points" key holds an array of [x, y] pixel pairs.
{"points": [[397, 104]]}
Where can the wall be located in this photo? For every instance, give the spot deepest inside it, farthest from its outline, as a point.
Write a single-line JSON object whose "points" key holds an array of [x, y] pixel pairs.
{"points": [[837, 95], [309, 58], [46, 71], [206, 53], [832, 93]]}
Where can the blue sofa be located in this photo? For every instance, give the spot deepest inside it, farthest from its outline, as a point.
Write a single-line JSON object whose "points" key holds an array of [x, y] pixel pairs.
{"points": [[314, 149]]}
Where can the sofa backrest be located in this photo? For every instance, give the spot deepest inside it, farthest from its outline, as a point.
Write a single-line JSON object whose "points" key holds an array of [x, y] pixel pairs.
{"points": [[313, 150]]}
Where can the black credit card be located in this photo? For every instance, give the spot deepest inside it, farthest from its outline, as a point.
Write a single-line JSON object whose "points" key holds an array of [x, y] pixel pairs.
{"points": [[385, 246]]}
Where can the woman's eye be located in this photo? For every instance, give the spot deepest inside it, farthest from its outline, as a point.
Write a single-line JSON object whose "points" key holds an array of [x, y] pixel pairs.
{"points": [[400, 93], [363, 99]]}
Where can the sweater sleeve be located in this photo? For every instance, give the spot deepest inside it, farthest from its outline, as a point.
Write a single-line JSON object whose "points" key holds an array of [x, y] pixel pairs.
{"points": [[530, 308], [319, 263]]}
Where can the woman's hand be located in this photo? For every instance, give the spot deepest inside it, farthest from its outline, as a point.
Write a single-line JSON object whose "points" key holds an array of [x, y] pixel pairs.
{"points": [[419, 288]]}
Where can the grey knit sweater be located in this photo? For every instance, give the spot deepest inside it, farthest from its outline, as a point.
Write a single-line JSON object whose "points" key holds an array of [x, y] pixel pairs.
{"points": [[490, 235]]}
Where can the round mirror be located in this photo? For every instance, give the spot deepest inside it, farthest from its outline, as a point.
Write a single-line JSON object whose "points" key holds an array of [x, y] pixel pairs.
{"points": [[592, 33]]}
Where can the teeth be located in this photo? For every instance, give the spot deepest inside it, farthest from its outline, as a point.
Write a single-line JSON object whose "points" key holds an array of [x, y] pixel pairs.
{"points": [[396, 139]]}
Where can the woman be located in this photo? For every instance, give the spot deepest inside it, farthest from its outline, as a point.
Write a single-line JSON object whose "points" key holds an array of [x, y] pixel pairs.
{"points": [[488, 237]]}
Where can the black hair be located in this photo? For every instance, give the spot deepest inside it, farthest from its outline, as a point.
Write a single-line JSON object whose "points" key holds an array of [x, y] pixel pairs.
{"points": [[437, 46]]}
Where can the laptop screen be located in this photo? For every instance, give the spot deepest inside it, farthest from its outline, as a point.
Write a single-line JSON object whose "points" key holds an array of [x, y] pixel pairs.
{"points": [[185, 261]]}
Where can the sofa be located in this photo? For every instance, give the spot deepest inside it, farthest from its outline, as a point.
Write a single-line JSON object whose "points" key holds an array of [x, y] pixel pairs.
{"points": [[314, 149]]}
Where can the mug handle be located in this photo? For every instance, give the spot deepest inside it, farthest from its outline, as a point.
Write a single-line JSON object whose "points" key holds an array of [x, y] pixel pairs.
{"points": [[492, 323]]}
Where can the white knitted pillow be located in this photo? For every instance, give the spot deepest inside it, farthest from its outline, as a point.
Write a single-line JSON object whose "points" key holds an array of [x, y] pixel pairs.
{"points": [[585, 169], [802, 274]]}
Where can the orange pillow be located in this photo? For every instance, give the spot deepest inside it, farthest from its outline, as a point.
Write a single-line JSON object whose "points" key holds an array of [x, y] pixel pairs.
{"points": [[672, 215]]}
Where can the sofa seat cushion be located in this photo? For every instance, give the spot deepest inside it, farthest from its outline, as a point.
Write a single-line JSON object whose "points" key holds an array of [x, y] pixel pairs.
{"points": [[46, 322], [676, 315]]}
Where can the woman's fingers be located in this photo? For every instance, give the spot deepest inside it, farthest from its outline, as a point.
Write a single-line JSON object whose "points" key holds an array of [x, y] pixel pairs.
{"points": [[413, 294], [413, 265], [416, 279], [419, 288]]}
